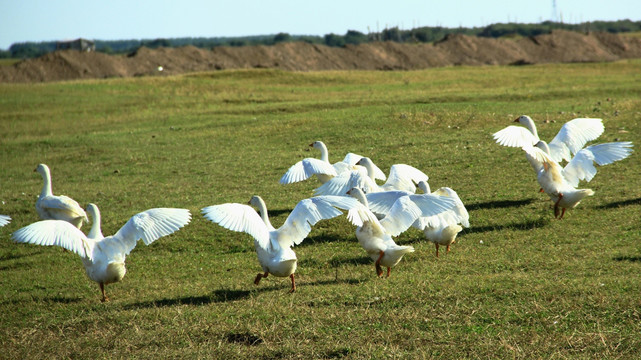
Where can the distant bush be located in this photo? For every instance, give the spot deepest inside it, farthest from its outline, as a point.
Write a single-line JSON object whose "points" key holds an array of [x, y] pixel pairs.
{"points": [[426, 34]]}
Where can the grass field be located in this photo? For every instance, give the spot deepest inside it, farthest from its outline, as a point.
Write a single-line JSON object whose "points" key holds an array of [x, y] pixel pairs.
{"points": [[517, 284]]}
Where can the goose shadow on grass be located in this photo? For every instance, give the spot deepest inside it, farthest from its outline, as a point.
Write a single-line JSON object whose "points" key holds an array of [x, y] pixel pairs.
{"points": [[627, 258], [499, 204], [622, 203], [217, 296], [527, 225]]}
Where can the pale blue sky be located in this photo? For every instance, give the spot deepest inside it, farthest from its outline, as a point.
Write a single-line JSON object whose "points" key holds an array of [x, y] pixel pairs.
{"points": [[44, 20]]}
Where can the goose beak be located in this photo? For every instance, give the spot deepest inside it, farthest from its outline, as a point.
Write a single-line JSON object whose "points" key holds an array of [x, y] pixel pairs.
{"points": [[516, 120], [312, 144]]}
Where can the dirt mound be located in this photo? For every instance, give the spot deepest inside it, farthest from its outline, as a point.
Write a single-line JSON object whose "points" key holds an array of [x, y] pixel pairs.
{"points": [[558, 46]]}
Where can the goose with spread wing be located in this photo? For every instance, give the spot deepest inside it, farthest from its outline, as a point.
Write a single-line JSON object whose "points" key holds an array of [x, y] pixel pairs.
{"points": [[375, 236], [322, 168], [560, 183], [57, 207], [441, 228], [572, 137], [104, 257], [401, 177], [4, 220], [274, 246]]}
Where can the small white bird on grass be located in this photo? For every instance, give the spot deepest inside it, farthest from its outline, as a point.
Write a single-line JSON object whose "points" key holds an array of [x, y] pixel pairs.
{"points": [[274, 246], [60, 207], [322, 168], [104, 257], [376, 236]]}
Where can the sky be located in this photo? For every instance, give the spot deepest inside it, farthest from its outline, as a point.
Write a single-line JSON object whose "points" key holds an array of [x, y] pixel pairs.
{"points": [[50, 20]]}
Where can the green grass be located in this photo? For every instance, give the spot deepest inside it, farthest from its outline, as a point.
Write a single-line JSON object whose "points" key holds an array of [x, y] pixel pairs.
{"points": [[518, 283], [8, 62]]}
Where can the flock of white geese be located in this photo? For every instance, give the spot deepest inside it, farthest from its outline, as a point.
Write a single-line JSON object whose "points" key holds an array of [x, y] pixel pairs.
{"points": [[379, 212]]}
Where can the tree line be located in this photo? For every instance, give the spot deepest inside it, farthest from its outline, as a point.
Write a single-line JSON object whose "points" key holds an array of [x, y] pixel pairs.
{"points": [[425, 34]]}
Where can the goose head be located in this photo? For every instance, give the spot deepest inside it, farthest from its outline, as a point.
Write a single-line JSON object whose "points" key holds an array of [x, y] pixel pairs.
{"points": [[424, 186], [358, 194], [256, 201], [368, 164], [528, 123], [318, 145], [43, 170], [543, 146]]}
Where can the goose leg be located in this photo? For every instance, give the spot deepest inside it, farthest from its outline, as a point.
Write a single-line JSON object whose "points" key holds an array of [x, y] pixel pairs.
{"points": [[562, 213], [293, 283], [436, 249], [556, 206], [260, 276], [379, 271], [448, 248], [389, 270], [102, 289]]}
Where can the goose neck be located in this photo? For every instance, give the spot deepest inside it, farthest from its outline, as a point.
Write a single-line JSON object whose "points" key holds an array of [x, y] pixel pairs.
{"points": [[96, 231], [46, 176], [324, 151], [262, 209]]}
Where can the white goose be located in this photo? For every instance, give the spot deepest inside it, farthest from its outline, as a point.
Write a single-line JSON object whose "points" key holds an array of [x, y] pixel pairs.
{"points": [[322, 168], [401, 177], [581, 166], [441, 228], [550, 177], [104, 257], [61, 207], [376, 236], [274, 246], [4, 220], [572, 137], [560, 182]]}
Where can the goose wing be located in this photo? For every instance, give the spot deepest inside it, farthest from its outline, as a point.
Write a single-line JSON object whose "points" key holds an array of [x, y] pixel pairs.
{"points": [[382, 202], [515, 136], [306, 168], [241, 218], [352, 159], [149, 226], [459, 210], [457, 215], [403, 177], [56, 232], [581, 167], [407, 209], [307, 213], [4, 220], [63, 205], [341, 184], [573, 136]]}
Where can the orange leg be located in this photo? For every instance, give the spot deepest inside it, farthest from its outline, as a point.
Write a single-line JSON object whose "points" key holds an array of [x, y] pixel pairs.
{"points": [[379, 271], [293, 283], [541, 190], [260, 276], [556, 206], [389, 270], [448, 248], [562, 213], [102, 289], [436, 249]]}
